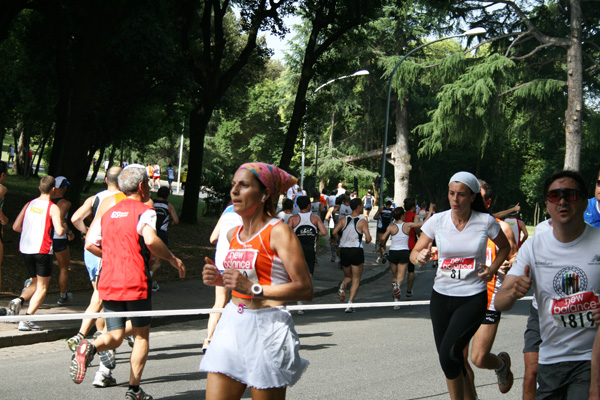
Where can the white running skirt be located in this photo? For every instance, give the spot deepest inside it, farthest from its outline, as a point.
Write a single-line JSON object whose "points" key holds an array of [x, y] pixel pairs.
{"points": [[258, 348]]}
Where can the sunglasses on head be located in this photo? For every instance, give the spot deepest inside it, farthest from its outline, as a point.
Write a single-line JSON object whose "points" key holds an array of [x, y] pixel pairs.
{"points": [[555, 195]]}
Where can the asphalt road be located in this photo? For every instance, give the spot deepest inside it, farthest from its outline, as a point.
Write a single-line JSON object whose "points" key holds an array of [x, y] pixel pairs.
{"points": [[377, 353]]}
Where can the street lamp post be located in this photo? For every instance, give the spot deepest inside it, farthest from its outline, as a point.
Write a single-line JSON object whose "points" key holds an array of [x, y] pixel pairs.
{"points": [[470, 32], [357, 73]]}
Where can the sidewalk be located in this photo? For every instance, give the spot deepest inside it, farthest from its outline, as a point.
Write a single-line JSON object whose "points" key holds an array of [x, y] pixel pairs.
{"points": [[183, 294]]}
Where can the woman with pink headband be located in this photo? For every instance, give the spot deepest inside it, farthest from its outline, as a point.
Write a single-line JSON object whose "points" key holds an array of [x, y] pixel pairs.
{"points": [[255, 343]]}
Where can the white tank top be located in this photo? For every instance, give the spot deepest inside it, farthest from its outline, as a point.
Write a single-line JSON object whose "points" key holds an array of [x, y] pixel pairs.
{"points": [[350, 235], [400, 239], [315, 209]]}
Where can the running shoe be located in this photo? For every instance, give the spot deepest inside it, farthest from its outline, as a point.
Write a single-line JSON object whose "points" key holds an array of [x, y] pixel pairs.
{"points": [[349, 310], [504, 374], [108, 358], [73, 342], [3, 311], [409, 294], [139, 395], [300, 312], [27, 326], [333, 259], [396, 290], [129, 340], [97, 334], [397, 306], [103, 380], [83, 358], [205, 345], [62, 301], [14, 306], [155, 286], [26, 284], [378, 260], [384, 258], [342, 292]]}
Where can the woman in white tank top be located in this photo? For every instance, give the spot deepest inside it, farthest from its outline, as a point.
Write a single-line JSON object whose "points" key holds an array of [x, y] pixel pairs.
{"points": [[399, 253]]}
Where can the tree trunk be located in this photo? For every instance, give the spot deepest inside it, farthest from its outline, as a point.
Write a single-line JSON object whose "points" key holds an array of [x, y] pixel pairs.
{"points": [[96, 168], [400, 154], [41, 153], [574, 91], [331, 133], [199, 119], [23, 161]]}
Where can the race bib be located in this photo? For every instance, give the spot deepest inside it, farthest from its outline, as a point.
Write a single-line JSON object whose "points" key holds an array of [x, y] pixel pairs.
{"points": [[244, 260], [574, 311], [457, 268]]}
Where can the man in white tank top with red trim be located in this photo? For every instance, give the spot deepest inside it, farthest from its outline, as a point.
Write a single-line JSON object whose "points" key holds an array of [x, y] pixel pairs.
{"points": [[35, 223]]}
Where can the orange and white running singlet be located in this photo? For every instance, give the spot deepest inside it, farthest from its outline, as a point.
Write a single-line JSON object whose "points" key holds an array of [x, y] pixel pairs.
{"points": [[255, 258]]}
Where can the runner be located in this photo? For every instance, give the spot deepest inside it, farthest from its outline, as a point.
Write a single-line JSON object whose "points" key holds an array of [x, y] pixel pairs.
{"points": [[332, 217], [399, 256], [156, 177], [165, 217], [368, 202], [561, 265], [592, 213], [286, 210], [383, 216], [307, 227], [483, 340], [35, 222], [410, 206], [255, 321], [3, 218], [124, 238], [518, 227], [352, 256], [170, 177], [92, 208], [229, 220], [459, 296], [316, 208], [60, 243]]}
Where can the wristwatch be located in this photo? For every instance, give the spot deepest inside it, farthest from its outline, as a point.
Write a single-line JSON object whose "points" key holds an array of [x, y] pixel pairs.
{"points": [[256, 289]]}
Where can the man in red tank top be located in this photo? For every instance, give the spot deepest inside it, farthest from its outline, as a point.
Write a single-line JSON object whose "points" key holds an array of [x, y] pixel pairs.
{"points": [[125, 238]]}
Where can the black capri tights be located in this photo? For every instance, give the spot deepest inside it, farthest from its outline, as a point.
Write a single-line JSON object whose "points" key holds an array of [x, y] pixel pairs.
{"points": [[455, 320]]}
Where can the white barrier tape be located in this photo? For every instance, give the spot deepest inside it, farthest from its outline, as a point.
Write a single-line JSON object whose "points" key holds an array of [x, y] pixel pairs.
{"points": [[200, 311]]}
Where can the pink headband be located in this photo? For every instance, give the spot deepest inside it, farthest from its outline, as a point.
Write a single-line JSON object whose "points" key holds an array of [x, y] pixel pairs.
{"points": [[274, 178]]}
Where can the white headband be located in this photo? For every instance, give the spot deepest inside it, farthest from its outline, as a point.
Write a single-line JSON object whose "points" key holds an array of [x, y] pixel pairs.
{"points": [[468, 179]]}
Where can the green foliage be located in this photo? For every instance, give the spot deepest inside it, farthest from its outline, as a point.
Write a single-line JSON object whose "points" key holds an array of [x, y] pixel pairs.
{"points": [[467, 110]]}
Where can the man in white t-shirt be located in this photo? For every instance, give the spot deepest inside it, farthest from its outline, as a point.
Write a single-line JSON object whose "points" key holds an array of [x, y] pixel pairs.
{"points": [[563, 267]]}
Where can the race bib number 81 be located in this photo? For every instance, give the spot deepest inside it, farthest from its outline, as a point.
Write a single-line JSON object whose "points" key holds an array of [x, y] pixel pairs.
{"points": [[575, 311], [457, 268]]}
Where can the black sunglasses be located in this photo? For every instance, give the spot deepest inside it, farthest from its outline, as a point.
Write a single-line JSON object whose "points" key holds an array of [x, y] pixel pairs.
{"points": [[555, 195]]}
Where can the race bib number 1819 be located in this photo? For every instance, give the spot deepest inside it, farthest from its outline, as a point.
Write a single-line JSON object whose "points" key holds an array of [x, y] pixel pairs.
{"points": [[574, 311]]}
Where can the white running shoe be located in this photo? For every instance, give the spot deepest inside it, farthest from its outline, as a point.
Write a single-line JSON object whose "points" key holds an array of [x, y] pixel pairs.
{"points": [[28, 326], [14, 306], [103, 380]]}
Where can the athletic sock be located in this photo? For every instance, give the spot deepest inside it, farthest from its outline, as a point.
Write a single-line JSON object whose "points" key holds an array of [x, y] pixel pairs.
{"points": [[502, 367], [22, 299], [135, 388]]}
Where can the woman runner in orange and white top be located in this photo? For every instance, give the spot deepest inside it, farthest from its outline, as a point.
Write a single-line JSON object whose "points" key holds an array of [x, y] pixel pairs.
{"points": [[255, 343]]}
